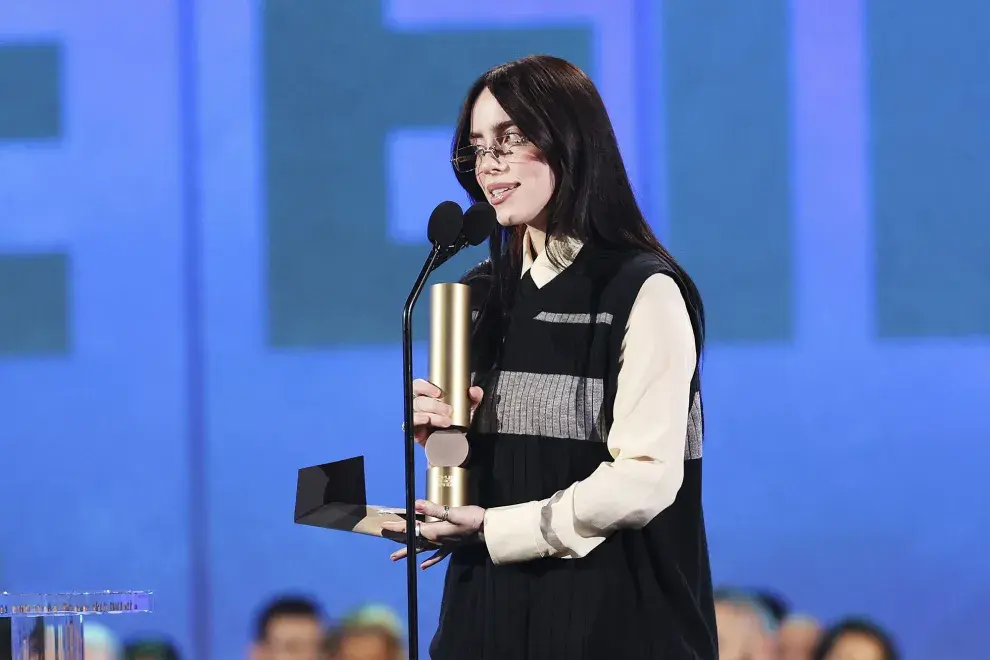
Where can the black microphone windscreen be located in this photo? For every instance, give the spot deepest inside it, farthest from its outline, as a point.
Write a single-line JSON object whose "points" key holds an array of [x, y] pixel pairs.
{"points": [[479, 221], [446, 223]]}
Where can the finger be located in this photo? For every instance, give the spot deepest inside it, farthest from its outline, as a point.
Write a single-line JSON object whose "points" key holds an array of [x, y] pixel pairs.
{"points": [[394, 526], [422, 545], [438, 532], [427, 405], [396, 531], [430, 509], [476, 394], [425, 388], [455, 517], [431, 419], [437, 557]]}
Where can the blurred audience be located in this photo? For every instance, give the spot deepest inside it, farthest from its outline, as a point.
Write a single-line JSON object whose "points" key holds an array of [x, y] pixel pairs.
{"points": [[775, 604], [798, 637], [289, 628], [746, 627], [150, 649], [759, 625], [100, 642], [752, 625], [856, 639], [371, 633]]}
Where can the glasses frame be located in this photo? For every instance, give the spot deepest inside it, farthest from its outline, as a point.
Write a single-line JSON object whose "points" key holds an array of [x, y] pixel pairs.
{"points": [[500, 149]]}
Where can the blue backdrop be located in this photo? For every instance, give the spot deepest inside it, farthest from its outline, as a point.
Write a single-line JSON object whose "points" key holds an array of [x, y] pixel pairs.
{"points": [[210, 213]]}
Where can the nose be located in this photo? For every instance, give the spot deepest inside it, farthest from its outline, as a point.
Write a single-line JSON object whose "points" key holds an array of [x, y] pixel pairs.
{"points": [[488, 161]]}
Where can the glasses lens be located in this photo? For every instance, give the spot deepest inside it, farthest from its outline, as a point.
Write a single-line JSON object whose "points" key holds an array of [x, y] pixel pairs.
{"points": [[465, 159]]}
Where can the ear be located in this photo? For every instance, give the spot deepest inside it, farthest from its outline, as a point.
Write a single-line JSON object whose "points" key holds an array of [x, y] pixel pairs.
{"points": [[256, 652]]}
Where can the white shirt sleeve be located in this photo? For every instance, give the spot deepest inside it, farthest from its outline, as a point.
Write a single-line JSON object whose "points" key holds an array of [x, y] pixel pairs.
{"points": [[647, 441]]}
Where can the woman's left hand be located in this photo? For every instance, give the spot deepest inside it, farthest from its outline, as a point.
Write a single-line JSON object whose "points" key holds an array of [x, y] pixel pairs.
{"points": [[463, 524]]}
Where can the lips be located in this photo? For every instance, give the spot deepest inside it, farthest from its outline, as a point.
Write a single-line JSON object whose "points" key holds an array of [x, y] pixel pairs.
{"points": [[499, 192]]}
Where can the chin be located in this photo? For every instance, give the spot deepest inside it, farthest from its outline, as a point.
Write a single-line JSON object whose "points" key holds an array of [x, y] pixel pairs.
{"points": [[505, 219], [509, 219]]}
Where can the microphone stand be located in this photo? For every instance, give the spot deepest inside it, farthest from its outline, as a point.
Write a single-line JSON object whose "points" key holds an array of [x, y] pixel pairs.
{"points": [[437, 256]]}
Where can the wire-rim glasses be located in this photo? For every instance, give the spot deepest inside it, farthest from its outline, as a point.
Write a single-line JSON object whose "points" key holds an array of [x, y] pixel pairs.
{"points": [[509, 146]]}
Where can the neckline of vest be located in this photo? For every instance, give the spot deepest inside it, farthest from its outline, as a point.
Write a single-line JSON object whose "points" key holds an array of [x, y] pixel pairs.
{"points": [[530, 300]]}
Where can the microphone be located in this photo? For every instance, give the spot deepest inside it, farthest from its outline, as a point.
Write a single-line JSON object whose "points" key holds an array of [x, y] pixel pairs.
{"points": [[445, 226], [477, 225], [449, 230], [479, 221]]}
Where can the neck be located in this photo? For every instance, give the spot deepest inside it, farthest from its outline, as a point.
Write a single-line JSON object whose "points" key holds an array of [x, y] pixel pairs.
{"points": [[537, 239]]}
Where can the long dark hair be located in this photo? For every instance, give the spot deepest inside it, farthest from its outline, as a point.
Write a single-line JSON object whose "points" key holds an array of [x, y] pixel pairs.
{"points": [[558, 108]]}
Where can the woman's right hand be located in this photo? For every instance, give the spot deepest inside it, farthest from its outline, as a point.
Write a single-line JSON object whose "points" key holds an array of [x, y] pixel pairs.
{"points": [[430, 412]]}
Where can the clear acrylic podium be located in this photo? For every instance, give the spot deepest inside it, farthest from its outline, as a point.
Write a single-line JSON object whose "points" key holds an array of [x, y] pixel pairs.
{"points": [[50, 626]]}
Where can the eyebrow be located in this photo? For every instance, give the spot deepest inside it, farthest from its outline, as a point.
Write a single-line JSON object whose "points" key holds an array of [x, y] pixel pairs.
{"points": [[500, 127]]}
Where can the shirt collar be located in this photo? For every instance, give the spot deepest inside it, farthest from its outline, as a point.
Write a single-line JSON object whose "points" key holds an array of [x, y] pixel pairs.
{"points": [[542, 269]]}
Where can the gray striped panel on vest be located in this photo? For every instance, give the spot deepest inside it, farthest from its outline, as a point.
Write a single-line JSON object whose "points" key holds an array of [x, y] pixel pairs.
{"points": [[692, 445], [560, 406], [550, 405], [554, 317]]}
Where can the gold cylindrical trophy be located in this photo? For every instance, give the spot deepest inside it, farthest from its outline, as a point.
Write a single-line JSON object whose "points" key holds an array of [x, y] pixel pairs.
{"points": [[450, 370], [450, 346], [447, 485]]}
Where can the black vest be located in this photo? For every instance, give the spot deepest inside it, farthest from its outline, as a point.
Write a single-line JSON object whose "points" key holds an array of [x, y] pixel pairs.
{"points": [[543, 425]]}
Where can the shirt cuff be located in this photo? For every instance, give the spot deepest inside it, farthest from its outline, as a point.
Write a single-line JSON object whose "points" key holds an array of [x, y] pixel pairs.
{"points": [[512, 533]]}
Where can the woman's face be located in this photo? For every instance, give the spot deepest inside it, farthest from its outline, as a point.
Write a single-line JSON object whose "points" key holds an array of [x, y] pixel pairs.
{"points": [[520, 184]]}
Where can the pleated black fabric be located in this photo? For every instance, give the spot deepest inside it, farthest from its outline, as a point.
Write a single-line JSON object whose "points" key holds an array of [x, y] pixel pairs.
{"points": [[643, 593]]}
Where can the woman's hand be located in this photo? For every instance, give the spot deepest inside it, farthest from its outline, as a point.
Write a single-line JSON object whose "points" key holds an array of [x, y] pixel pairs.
{"points": [[463, 525], [429, 412]]}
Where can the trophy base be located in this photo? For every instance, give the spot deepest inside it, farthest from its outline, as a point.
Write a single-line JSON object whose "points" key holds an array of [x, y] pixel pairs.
{"points": [[332, 496], [447, 486]]}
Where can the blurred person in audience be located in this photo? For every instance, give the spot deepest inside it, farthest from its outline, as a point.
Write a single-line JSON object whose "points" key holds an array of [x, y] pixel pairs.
{"points": [[856, 638], [746, 628], [774, 603], [150, 649], [371, 633], [798, 637], [100, 642], [289, 628]]}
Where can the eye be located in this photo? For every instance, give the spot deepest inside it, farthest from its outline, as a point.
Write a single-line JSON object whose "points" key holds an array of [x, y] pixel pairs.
{"points": [[513, 138]]}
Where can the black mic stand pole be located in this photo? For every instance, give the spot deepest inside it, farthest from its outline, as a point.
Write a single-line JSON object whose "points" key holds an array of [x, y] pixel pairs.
{"points": [[412, 603]]}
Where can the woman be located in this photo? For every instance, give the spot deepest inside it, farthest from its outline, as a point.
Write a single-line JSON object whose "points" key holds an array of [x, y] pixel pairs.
{"points": [[588, 540]]}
